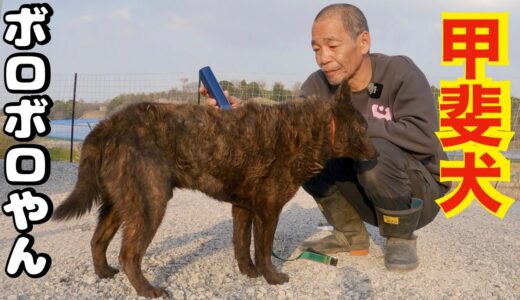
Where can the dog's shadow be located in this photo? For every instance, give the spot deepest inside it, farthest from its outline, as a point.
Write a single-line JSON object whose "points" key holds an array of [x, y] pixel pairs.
{"points": [[295, 225]]}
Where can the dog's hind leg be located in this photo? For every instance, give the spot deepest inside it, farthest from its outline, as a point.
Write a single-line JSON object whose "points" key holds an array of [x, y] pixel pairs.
{"points": [[108, 224], [242, 225], [265, 221], [144, 207]]}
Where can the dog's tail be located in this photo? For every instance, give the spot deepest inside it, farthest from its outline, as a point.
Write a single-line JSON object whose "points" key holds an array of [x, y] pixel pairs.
{"points": [[88, 187]]}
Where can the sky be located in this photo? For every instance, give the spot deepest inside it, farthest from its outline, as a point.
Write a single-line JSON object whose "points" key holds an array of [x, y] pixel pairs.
{"points": [[254, 40]]}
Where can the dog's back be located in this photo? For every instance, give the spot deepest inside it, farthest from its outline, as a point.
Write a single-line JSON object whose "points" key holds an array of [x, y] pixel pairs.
{"points": [[203, 148]]}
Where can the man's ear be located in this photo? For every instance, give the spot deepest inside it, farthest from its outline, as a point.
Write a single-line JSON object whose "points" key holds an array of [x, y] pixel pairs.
{"points": [[364, 42]]}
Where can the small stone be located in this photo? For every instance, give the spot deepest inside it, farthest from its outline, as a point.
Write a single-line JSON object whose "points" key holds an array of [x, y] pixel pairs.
{"points": [[250, 291], [260, 296], [194, 280], [178, 294], [89, 279], [281, 295], [331, 275]]}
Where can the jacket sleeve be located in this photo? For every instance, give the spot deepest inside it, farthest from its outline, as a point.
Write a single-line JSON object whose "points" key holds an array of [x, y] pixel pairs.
{"points": [[414, 117]]}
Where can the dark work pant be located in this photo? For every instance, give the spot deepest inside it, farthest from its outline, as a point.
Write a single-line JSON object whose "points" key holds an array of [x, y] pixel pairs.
{"points": [[388, 182]]}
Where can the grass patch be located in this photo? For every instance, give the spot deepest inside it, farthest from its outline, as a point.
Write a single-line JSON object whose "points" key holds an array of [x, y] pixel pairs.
{"points": [[56, 153], [5, 143], [63, 154]]}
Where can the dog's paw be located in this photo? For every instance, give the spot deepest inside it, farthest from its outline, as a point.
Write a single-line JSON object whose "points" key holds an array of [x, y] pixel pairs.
{"points": [[277, 278], [154, 292], [249, 271], [108, 272]]}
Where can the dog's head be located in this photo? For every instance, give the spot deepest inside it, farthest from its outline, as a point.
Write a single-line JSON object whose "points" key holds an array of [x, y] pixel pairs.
{"points": [[349, 128]]}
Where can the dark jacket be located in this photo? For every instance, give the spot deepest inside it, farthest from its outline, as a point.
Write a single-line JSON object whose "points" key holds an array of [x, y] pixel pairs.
{"points": [[404, 113]]}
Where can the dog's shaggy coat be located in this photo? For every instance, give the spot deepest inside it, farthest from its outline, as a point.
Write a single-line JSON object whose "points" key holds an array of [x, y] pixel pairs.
{"points": [[255, 156]]}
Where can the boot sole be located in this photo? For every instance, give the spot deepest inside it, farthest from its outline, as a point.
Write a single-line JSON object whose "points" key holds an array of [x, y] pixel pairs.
{"points": [[360, 252], [401, 268]]}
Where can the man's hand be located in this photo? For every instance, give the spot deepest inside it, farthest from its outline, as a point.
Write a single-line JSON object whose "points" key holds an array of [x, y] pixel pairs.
{"points": [[212, 102]]}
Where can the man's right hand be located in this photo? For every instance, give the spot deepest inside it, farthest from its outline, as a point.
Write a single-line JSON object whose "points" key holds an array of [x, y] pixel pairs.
{"points": [[212, 102]]}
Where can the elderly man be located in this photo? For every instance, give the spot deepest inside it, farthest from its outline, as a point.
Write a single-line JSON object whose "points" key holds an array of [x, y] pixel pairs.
{"points": [[397, 191]]}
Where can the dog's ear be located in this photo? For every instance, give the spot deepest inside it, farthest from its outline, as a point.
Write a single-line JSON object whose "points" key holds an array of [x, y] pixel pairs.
{"points": [[343, 102], [350, 127]]}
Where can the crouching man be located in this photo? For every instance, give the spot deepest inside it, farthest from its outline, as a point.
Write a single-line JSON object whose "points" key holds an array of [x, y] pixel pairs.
{"points": [[397, 191]]}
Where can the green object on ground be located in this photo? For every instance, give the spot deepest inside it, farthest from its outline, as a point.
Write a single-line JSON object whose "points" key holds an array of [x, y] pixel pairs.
{"points": [[314, 256]]}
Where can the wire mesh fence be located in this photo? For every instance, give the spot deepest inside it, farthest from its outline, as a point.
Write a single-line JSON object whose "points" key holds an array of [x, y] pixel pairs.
{"points": [[97, 95], [103, 88]]}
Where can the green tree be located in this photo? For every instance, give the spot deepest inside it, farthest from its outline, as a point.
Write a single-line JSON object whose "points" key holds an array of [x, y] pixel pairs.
{"points": [[254, 90], [227, 86], [279, 92]]}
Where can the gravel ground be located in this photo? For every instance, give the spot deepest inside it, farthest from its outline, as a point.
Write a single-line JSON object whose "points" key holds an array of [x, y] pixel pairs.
{"points": [[473, 255]]}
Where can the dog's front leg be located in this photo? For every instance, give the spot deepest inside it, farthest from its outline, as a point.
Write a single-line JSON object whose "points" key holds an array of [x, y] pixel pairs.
{"points": [[265, 222], [242, 222]]}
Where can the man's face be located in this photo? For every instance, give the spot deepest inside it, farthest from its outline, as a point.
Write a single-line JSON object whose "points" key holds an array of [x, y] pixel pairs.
{"points": [[337, 53]]}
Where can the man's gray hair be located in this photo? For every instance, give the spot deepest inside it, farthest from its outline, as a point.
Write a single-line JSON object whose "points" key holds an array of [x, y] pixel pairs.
{"points": [[353, 18]]}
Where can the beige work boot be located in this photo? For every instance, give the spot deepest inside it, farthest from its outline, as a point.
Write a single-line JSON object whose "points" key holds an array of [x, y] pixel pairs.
{"points": [[350, 234]]}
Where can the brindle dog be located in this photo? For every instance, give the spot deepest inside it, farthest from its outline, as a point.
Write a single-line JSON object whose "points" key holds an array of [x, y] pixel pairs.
{"points": [[255, 156]]}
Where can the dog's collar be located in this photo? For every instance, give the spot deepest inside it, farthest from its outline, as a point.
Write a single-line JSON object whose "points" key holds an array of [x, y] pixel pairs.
{"points": [[332, 131]]}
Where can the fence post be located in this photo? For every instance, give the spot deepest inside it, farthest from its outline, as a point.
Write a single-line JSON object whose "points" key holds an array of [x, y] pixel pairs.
{"points": [[198, 92], [72, 119]]}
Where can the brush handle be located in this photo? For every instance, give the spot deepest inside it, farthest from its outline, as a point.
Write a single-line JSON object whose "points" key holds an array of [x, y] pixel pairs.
{"points": [[214, 90]]}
